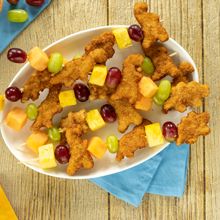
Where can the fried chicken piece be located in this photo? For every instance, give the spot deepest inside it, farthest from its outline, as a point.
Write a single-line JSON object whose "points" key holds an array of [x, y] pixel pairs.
{"points": [[131, 75], [47, 109], [75, 126], [150, 24], [99, 92], [163, 63], [192, 126], [185, 70], [126, 114], [37, 82], [132, 141], [186, 94]]}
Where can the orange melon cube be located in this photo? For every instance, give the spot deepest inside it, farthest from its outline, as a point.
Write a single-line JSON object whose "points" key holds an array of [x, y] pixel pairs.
{"points": [[147, 87], [144, 103], [16, 118], [97, 147]]}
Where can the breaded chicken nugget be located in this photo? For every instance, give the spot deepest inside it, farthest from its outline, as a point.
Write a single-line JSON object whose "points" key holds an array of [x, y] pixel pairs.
{"points": [[99, 92]]}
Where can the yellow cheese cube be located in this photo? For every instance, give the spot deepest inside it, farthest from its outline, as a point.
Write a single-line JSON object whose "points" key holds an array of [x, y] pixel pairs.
{"points": [[144, 103], [6, 211], [147, 87], [98, 76], [67, 98], [94, 120], [97, 147], [2, 101], [36, 139], [122, 37], [16, 118], [154, 135], [38, 59], [46, 156]]}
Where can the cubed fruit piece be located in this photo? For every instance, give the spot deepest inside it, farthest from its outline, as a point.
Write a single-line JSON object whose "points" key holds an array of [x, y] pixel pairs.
{"points": [[67, 98], [94, 120], [2, 101], [144, 103], [97, 147], [36, 139], [122, 37], [16, 118], [46, 156], [38, 59], [6, 210], [147, 87], [154, 135], [98, 76]]}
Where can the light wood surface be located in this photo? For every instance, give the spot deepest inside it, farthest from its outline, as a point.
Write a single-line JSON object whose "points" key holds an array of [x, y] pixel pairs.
{"points": [[195, 25]]}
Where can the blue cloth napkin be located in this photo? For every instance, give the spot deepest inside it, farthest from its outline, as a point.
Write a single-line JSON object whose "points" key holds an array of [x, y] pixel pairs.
{"points": [[9, 30], [164, 174]]}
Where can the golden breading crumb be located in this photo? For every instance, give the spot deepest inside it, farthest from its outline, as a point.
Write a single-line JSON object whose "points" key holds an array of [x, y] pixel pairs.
{"points": [[128, 87], [132, 141], [47, 109], [99, 92], [151, 26], [192, 126], [186, 94], [126, 114]]}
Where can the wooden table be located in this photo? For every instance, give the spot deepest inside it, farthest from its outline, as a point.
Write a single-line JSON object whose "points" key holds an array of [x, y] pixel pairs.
{"points": [[194, 24]]}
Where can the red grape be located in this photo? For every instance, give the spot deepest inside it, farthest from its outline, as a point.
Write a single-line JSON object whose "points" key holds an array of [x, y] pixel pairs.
{"points": [[135, 33], [113, 78], [13, 94], [17, 55], [170, 131], [62, 154], [82, 92], [108, 113], [13, 2], [35, 2]]}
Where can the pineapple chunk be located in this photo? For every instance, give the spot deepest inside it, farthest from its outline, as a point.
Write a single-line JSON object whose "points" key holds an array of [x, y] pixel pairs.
{"points": [[154, 135], [94, 120], [98, 76], [16, 118], [2, 101], [122, 37], [147, 87], [36, 139], [67, 98], [46, 156], [97, 147], [144, 103], [38, 59]]}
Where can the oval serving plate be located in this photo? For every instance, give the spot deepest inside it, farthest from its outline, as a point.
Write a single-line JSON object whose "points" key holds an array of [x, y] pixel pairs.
{"points": [[70, 46]]}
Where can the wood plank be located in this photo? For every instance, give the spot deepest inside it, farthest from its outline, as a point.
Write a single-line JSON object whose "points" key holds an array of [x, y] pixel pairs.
{"points": [[183, 21], [211, 44], [32, 195]]}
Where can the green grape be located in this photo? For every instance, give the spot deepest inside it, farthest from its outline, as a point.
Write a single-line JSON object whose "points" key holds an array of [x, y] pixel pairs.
{"points": [[32, 111], [112, 143], [148, 66], [17, 15], [55, 63], [157, 100], [164, 90], [54, 134]]}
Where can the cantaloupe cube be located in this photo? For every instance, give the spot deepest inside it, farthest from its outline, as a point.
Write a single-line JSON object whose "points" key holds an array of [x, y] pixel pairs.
{"points": [[144, 103], [97, 147], [16, 118], [36, 140], [67, 98], [147, 87], [38, 59], [154, 135], [94, 120], [2, 101], [46, 156], [122, 37], [98, 76]]}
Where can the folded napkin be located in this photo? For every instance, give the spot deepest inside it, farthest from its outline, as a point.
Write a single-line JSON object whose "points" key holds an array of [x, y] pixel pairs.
{"points": [[9, 30], [164, 174]]}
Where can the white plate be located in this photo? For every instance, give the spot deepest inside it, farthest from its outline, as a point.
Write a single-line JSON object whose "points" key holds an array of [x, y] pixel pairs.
{"points": [[70, 46]]}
